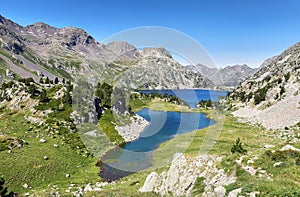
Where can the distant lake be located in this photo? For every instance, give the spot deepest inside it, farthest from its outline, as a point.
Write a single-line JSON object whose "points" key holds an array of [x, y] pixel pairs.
{"points": [[137, 155], [191, 96]]}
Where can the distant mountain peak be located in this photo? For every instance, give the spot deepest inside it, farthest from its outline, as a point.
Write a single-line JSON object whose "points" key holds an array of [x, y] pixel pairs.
{"points": [[156, 52], [39, 24], [71, 51], [228, 76]]}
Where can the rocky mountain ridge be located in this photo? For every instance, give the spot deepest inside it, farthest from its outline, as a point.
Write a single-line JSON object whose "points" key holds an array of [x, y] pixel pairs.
{"points": [[229, 76], [271, 96], [47, 51]]}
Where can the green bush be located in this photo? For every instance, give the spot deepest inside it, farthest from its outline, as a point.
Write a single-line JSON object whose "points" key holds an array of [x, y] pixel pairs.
{"points": [[104, 92], [238, 147], [198, 186], [260, 95], [3, 190], [43, 96]]}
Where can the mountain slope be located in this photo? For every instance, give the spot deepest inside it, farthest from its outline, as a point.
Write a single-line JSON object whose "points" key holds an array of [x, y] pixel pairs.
{"points": [[228, 76], [271, 96], [46, 51]]}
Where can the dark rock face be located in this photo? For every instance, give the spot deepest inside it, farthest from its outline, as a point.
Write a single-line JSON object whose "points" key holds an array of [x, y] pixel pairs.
{"points": [[98, 107], [16, 48]]}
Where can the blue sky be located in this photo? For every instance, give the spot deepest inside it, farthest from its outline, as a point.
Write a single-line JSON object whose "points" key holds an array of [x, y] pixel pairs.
{"points": [[232, 31]]}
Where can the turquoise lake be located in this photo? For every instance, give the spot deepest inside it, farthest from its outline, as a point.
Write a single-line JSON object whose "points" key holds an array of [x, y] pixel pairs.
{"points": [[137, 155]]}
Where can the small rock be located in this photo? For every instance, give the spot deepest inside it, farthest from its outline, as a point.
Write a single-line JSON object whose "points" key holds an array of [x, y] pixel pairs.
{"points": [[235, 193], [55, 145], [68, 191], [97, 189], [250, 170], [253, 194], [220, 191], [25, 185], [88, 187], [43, 140], [277, 164], [68, 175], [10, 152], [289, 147], [26, 194], [262, 171], [46, 157], [250, 161], [268, 146]]}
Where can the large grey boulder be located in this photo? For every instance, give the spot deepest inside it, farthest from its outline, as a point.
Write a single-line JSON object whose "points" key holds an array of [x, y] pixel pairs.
{"points": [[220, 191], [179, 180], [150, 182]]}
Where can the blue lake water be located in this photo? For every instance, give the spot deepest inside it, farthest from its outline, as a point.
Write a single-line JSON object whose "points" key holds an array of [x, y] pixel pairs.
{"points": [[137, 155], [191, 96]]}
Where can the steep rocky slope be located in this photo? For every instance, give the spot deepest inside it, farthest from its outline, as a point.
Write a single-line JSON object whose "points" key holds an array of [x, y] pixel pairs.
{"points": [[271, 96], [46, 51], [228, 76]]}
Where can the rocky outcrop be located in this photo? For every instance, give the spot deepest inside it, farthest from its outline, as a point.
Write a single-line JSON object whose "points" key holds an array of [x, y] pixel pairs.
{"points": [[161, 73], [182, 174], [267, 62], [131, 132], [156, 52]]}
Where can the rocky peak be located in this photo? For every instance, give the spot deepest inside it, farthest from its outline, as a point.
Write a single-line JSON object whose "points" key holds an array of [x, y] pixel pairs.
{"points": [[123, 49], [39, 25], [228, 76], [268, 61], [76, 36], [12, 26], [243, 68], [156, 52]]}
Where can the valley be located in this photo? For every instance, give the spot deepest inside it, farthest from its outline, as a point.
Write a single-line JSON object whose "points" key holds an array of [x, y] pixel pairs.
{"points": [[83, 118]]}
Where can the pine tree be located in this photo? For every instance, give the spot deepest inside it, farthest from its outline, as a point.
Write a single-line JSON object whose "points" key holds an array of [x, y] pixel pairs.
{"points": [[47, 81], [41, 80], [31, 89], [67, 98], [43, 96], [238, 147], [56, 80]]}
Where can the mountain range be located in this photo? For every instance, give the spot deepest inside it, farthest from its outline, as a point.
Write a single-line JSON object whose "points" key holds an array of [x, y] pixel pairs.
{"points": [[230, 76], [40, 50]]}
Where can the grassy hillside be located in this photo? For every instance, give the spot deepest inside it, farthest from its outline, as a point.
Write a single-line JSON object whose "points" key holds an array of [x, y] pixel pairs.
{"points": [[49, 157]]}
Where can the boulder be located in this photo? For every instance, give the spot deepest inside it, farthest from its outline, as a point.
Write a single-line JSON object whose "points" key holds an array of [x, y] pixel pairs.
{"points": [[220, 191], [289, 147], [25, 185], [43, 140], [150, 182], [88, 188], [183, 173], [235, 193]]}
